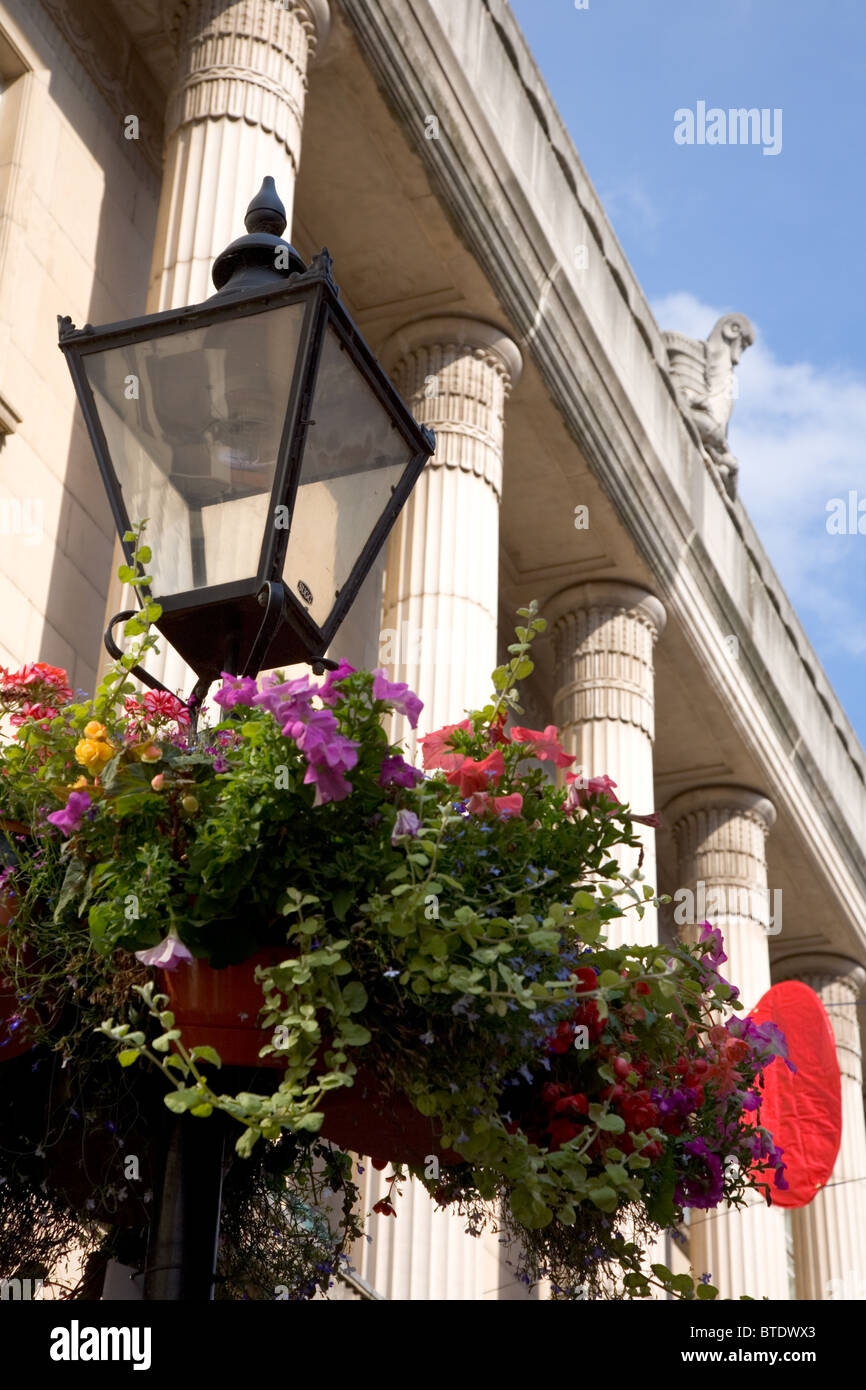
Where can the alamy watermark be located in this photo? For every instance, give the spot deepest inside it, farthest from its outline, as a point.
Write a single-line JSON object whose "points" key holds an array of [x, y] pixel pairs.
{"points": [[721, 904], [736, 126], [23, 519], [20, 1290], [411, 645], [846, 517]]}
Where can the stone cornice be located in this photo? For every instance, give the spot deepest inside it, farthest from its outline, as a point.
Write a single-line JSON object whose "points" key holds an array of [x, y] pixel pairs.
{"points": [[656, 495]]}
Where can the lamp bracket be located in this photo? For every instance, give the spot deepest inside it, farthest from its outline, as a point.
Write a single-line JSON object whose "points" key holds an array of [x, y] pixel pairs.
{"points": [[115, 652], [271, 597]]}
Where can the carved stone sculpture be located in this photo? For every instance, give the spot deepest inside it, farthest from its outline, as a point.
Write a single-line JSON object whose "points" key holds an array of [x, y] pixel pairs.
{"points": [[703, 373]]}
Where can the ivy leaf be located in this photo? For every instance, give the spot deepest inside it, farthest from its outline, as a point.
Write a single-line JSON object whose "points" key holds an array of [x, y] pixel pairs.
{"points": [[127, 1057]]}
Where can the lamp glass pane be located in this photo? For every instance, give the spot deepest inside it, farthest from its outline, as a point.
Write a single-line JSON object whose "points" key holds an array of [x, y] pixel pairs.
{"points": [[353, 460], [193, 423]]}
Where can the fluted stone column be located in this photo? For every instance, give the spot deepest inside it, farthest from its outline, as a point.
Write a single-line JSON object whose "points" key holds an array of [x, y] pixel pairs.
{"points": [[439, 633], [830, 1233], [442, 566], [604, 633], [235, 114], [720, 834]]}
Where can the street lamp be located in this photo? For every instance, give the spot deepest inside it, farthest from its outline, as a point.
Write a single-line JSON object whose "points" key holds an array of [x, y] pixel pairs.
{"points": [[264, 443], [271, 456]]}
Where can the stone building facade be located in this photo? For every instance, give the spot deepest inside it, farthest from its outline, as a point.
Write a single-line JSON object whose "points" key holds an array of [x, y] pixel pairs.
{"points": [[582, 461]]}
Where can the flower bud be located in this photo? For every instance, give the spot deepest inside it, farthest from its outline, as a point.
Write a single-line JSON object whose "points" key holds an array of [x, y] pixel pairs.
{"points": [[189, 804], [151, 754], [158, 782]]}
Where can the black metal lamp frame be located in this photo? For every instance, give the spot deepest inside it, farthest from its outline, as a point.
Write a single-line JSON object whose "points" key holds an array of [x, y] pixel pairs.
{"points": [[252, 278]]}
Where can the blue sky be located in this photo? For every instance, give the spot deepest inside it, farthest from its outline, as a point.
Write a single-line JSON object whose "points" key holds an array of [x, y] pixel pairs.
{"points": [[712, 228]]}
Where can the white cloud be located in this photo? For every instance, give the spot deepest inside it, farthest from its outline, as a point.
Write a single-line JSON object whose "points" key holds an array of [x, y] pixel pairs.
{"points": [[799, 433]]}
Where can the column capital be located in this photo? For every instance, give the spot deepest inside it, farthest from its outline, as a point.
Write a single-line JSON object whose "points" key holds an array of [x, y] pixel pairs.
{"points": [[246, 59], [320, 14], [316, 13], [608, 595], [841, 970], [603, 634], [463, 335], [742, 800]]}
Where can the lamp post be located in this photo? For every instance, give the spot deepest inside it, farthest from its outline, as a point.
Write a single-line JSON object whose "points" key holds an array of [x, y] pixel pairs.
{"points": [[271, 455]]}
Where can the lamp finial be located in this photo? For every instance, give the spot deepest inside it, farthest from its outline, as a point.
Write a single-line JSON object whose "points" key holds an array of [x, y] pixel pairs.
{"points": [[266, 212]]}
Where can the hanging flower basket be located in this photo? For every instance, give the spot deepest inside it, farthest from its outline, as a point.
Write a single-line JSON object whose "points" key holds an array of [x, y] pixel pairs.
{"points": [[220, 1009], [441, 984]]}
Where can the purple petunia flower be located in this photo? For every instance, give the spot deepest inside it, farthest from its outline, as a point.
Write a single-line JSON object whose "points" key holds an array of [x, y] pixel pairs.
{"points": [[395, 770], [327, 694], [407, 823], [330, 784], [287, 701], [398, 695], [236, 690], [69, 819]]}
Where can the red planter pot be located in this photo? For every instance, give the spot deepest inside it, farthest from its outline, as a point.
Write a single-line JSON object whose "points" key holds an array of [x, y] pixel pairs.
{"points": [[219, 1008], [16, 1043]]}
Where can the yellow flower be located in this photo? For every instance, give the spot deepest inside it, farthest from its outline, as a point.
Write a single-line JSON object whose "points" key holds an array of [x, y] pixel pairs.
{"points": [[93, 754], [95, 731], [81, 785]]}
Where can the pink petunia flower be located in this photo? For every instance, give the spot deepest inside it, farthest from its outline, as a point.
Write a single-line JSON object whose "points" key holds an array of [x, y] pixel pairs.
{"points": [[434, 747], [480, 803], [473, 776], [168, 955], [544, 744]]}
